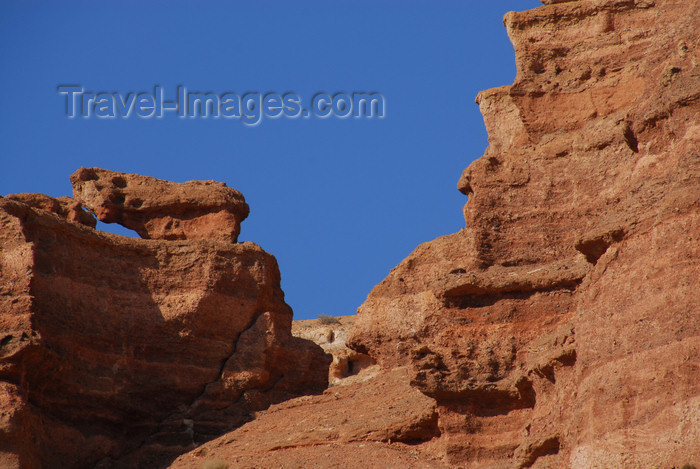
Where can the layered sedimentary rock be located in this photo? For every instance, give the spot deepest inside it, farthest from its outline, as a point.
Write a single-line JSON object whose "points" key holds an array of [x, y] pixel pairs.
{"points": [[158, 209], [561, 327], [124, 352]]}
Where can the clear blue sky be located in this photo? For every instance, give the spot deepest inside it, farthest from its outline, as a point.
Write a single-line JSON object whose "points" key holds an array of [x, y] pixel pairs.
{"points": [[338, 202]]}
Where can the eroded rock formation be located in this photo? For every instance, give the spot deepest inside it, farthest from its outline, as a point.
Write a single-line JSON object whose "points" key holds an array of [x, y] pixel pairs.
{"points": [[560, 328], [65, 207], [124, 352], [158, 209], [375, 421]]}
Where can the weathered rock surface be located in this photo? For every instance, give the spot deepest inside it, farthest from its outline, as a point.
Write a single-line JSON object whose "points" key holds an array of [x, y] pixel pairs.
{"points": [[125, 352], [331, 333], [158, 209], [561, 327], [368, 424]]}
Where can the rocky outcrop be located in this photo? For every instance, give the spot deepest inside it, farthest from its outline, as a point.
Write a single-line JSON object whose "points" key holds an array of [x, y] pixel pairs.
{"points": [[158, 209], [125, 352], [561, 328], [331, 333]]}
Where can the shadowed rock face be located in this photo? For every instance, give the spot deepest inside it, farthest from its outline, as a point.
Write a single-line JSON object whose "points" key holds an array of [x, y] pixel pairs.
{"points": [[123, 352], [158, 209]]}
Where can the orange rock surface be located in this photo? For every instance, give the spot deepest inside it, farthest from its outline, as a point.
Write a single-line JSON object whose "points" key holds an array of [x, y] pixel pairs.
{"points": [[561, 327], [377, 421], [65, 207]]}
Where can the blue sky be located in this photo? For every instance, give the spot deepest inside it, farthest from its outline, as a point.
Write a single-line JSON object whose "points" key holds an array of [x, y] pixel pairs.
{"points": [[339, 202]]}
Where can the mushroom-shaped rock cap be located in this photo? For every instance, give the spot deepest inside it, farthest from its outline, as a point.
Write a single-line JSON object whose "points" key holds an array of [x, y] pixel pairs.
{"points": [[158, 209]]}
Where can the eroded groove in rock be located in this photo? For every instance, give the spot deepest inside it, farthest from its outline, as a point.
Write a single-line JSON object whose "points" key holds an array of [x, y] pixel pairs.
{"points": [[529, 453]]}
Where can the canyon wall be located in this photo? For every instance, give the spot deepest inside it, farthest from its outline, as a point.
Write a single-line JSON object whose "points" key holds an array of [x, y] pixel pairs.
{"points": [[561, 327], [125, 352]]}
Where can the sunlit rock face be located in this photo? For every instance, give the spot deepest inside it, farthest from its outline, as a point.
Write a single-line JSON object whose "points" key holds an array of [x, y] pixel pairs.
{"points": [[559, 328]]}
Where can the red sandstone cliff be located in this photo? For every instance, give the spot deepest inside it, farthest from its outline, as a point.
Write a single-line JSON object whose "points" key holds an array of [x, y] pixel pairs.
{"points": [[122, 352], [561, 327]]}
